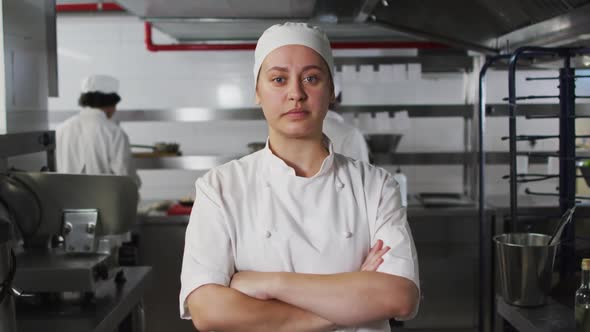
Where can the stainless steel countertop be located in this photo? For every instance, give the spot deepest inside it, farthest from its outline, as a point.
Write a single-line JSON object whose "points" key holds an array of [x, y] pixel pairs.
{"points": [[552, 317], [112, 304]]}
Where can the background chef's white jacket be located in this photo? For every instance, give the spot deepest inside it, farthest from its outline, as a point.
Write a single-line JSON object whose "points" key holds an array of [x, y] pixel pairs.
{"points": [[347, 139], [90, 143], [256, 214]]}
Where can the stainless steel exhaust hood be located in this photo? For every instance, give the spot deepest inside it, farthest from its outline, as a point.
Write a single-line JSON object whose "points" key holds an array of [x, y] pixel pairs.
{"points": [[245, 20], [487, 26], [495, 24]]}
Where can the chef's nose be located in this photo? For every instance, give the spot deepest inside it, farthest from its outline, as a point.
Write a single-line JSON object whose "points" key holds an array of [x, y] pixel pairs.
{"points": [[296, 90]]}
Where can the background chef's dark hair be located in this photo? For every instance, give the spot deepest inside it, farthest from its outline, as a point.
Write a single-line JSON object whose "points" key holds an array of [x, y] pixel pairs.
{"points": [[98, 99]]}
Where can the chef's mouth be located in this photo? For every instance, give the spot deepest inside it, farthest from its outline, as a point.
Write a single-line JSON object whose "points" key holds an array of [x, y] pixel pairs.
{"points": [[297, 112]]}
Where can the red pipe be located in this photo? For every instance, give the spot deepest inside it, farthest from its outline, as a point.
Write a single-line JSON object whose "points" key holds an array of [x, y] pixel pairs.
{"points": [[88, 7], [111, 6], [250, 46]]}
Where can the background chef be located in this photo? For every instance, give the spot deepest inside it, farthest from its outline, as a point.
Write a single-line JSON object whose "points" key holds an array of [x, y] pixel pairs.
{"points": [[90, 142]]}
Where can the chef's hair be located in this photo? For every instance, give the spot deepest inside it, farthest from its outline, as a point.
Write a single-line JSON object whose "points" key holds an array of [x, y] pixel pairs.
{"points": [[98, 99]]}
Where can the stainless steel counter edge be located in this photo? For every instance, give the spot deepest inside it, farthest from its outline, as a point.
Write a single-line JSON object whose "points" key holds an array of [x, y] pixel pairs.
{"points": [[113, 305], [552, 317], [135, 286]]}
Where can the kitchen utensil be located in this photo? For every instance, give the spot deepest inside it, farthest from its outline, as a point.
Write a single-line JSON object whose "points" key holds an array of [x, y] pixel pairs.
{"points": [[444, 199], [159, 149], [383, 143], [567, 216]]}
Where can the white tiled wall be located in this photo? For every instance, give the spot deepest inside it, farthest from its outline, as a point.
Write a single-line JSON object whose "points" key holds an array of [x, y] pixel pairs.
{"points": [[113, 44]]}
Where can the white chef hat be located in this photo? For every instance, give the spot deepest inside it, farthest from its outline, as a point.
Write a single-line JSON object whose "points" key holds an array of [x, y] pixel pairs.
{"points": [[100, 83], [292, 34]]}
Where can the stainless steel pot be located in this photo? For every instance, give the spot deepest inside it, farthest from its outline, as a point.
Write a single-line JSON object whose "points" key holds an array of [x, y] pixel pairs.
{"points": [[525, 263]]}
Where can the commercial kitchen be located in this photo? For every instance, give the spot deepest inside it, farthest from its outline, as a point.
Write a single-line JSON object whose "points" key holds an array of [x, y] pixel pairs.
{"points": [[478, 108]]}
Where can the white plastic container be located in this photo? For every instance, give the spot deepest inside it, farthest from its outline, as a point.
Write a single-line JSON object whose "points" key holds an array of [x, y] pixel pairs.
{"points": [[403, 186]]}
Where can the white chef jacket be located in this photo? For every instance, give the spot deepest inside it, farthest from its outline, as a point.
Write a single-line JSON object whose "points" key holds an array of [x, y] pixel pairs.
{"points": [[90, 143], [347, 139], [256, 214]]}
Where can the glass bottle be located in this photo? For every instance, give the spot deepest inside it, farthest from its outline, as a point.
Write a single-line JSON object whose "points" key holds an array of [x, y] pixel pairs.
{"points": [[582, 308]]}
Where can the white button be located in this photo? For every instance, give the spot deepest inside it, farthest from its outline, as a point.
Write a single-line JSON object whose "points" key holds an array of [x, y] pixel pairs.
{"points": [[267, 234], [348, 235], [340, 185]]}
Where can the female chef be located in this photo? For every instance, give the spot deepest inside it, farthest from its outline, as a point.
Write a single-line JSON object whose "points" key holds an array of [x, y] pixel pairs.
{"points": [[296, 237]]}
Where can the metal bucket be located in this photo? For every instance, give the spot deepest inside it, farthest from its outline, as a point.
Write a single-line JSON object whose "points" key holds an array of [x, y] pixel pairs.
{"points": [[525, 264]]}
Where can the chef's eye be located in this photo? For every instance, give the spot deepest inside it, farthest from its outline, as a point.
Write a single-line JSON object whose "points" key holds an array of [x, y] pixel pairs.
{"points": [[310, 79], [279, 80]]}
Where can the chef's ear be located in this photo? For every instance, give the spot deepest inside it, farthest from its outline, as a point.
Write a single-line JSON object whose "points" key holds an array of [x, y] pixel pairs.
{"points": [[257, 98]]}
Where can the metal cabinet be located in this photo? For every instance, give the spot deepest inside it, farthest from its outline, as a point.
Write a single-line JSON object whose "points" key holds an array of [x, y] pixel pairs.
{"points": [[161, 245], [449, 277]]}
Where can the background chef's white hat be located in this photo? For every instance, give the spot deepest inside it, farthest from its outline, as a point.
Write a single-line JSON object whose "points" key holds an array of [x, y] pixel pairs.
{"points": [[100, 83], [292, 34]]}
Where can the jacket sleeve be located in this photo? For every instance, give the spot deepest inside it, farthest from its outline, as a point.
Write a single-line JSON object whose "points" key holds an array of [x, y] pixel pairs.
{"points": [[121, 161], [208, 251], [391, 226]]}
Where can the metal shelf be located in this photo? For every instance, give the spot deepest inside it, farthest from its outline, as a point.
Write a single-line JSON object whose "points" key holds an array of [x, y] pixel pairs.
{"points": [[192, 114], [429, 63], [535, 110], [203, 162], [196, 163], [446, 158], [414, 111], [201, 114]]}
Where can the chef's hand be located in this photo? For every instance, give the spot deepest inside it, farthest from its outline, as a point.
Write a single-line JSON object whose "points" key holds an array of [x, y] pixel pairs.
{"points": [[253, 284], [374, 258]]}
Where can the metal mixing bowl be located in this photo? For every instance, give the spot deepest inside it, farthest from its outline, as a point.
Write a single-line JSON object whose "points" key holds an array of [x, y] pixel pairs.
{"points": [[383, 143]]}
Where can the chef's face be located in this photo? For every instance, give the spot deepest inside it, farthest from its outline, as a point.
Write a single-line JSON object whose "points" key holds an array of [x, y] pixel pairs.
{"points": [[294, 89]]}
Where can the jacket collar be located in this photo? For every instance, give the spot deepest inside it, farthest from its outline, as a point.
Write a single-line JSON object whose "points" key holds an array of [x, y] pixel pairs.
{"points": [[277, 166]]}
